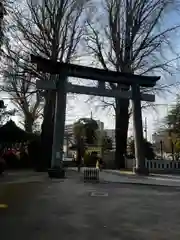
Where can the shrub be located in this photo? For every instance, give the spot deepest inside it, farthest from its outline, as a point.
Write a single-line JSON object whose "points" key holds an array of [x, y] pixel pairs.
{"points": [[90, 160]]}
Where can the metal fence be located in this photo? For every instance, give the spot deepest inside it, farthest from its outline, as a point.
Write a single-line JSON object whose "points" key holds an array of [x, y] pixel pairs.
{"points": [[162, 165], [91, 174]]}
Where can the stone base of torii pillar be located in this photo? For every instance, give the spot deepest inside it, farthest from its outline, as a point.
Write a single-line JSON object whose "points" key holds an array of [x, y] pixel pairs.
{"points": [[141, 171], [56, 172]]}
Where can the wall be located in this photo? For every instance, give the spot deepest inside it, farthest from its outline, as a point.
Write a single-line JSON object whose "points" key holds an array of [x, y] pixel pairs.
{"points": [[108, 158]]}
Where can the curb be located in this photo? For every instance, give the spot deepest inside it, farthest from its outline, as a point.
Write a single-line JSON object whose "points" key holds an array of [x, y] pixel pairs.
{"points": [[20, 182], [133, 183], [126, 175], [140, 184]]}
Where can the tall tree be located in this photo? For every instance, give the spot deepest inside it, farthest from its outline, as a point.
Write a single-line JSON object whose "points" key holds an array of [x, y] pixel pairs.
{"points": [[172, 120], [148, 149], [2, 13], [51, 29], [131, 36], [20, 85]]}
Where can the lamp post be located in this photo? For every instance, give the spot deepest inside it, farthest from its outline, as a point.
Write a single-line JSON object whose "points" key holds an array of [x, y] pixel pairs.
{"points": [[145, 127]]}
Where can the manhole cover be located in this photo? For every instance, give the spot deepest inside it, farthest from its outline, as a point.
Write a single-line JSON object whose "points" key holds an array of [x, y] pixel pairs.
{"points": [[99, 194]]}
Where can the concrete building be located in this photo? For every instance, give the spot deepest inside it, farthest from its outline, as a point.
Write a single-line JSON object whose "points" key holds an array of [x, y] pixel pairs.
{"points": [[100, 124], [70, 139], [69, 129], [111, 133]]}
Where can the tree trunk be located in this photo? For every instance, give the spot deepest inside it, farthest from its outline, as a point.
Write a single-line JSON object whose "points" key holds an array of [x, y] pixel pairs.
{"points": [[28, 124], [121, 131], [47, 131]]}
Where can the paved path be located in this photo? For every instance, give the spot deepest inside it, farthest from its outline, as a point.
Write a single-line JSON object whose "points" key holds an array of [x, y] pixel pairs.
{"points": [[66, 210], [109, 176], [12, 177], [114, 176], [159, 180]]}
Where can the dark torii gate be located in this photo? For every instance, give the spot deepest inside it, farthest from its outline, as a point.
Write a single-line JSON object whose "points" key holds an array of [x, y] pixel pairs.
{"points": [[62, 86]]}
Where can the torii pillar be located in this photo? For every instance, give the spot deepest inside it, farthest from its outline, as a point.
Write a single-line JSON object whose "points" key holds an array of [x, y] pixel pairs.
{"points": [[140, 167], [59, 123]]}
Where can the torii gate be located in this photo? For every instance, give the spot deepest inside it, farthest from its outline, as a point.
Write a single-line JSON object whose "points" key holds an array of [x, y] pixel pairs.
{"points": [[62, 87]]}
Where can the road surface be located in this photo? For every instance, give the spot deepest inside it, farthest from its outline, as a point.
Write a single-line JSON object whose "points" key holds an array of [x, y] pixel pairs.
{"points": [[70, 209]]}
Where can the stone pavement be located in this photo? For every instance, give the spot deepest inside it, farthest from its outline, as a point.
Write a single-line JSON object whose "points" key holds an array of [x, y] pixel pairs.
{"points": [[19, 176], [115, 176], [153, 179], [70, 209]]}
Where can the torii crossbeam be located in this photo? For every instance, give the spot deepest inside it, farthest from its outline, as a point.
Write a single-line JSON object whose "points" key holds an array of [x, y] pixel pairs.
{"points": [[62, 86]]}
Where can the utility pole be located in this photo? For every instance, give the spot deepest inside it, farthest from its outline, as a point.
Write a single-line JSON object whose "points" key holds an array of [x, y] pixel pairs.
{"points": [[145, 127], [91, 115]]}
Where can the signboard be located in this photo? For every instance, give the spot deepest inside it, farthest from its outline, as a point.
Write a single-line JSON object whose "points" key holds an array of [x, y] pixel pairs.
{"points": [[93, 149]]}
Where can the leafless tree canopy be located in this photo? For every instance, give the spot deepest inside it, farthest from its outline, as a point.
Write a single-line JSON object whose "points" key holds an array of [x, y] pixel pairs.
{"points": [[132, 35], [49, 28], [21, 87]]}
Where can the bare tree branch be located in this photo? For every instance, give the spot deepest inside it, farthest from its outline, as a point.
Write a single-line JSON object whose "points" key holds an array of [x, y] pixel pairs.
{"points": [[51, 29], [21, 86], [131, 36]]}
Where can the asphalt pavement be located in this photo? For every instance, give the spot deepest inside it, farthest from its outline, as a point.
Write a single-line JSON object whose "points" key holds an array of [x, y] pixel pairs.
{"points": [[70, 209]]}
